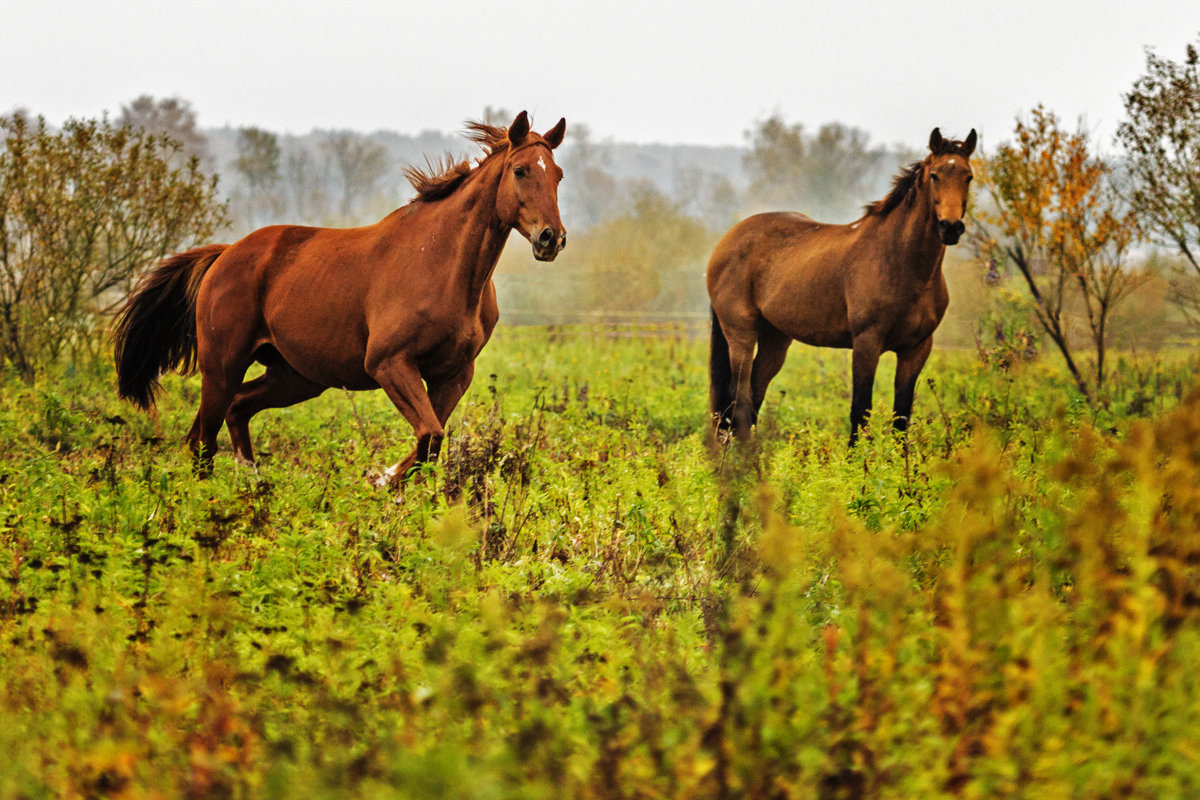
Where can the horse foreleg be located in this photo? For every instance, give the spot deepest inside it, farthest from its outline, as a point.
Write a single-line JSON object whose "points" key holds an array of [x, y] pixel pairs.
{"points": [[404, 387], [863, 364], [909, 364], [444, 395]]}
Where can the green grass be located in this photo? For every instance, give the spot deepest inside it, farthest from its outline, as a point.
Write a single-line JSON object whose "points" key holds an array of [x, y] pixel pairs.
{"points": [[579, 601]]}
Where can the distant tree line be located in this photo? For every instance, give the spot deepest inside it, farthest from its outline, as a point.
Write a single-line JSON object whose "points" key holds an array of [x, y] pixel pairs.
{"points": [[343, 177], [1061, 232]]}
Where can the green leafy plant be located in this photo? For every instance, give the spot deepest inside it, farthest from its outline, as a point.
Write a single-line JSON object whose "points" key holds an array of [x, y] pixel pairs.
{"points": [[578, 602]]}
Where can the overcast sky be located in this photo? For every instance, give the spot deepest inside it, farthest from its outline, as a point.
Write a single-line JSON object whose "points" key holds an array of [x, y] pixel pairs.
{"points": [[700, 72]]}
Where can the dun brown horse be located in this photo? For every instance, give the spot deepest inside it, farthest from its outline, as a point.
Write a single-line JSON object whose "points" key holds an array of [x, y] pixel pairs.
{"points": [[404, 305], [874, 285]]}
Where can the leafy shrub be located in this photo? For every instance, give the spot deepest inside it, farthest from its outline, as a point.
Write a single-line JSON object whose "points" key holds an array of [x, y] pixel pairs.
{"points": [[83, 211]]}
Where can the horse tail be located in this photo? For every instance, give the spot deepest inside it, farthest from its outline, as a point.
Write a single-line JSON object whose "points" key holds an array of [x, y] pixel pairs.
{"points": [[156, 330], [720, 377]]}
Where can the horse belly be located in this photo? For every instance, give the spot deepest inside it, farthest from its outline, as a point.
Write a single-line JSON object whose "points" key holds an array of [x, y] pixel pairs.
{"points": [[326, 352], [327, 368], [808, 309], [826, 338]]}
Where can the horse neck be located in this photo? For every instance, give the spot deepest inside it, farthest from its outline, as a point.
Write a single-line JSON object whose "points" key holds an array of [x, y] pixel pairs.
{"points": [[476, 235], [911, 230]]}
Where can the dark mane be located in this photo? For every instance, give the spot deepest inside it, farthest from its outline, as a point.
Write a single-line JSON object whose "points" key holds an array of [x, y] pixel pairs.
{"points": [[905, 183], [441, 177], [902, 187]]}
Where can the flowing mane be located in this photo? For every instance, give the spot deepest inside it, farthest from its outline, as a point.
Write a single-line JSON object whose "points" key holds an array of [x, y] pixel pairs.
{"points": [[904, 184], [902, 187], [441, 177]]}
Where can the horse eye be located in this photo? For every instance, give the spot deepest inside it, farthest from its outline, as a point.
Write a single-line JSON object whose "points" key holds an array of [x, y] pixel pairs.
{"points": [[970, 178], [520, 172], [934, 176]]}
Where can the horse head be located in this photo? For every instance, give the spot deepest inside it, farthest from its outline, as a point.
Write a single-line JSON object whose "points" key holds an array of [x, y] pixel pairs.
{"points": [[528, 195], [948, 166]]}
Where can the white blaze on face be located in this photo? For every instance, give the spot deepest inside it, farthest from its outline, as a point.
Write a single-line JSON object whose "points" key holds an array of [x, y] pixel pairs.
{"points": [[542, 163]]}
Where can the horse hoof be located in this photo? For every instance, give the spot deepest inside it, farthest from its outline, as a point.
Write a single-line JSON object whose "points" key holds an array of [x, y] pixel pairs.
{"points": [[388, 479]]}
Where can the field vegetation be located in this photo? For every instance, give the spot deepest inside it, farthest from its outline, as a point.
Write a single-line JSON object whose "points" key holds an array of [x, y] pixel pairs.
{"points": [[581, 601], [586, 598]]}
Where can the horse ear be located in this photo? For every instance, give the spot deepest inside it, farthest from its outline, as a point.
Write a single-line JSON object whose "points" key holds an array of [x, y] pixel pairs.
{"points": [[554, 136], [969, 144], [935, 140], [519, 129]]}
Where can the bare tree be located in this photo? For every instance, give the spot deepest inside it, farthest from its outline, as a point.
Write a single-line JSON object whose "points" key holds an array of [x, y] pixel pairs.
{"points": [[590, 193], [172, 116], [360, 164], [706, 195], [258, 165], [306, 186], [828, 175], [1162, 144]]}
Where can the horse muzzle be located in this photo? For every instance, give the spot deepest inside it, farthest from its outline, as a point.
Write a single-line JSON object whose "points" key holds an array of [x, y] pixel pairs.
{"points": [[951, 231], [548, 244]]}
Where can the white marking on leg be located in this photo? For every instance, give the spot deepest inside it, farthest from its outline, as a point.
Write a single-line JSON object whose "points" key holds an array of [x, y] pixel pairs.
{"points": [[388, 477]]}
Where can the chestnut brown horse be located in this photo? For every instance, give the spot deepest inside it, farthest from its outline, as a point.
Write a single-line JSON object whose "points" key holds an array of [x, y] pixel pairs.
{"points": [[404, 305], [873, 285]]}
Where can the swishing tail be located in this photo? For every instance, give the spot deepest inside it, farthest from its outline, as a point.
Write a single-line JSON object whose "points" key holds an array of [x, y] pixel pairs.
{"points": [[156, 330], [720, 378]]}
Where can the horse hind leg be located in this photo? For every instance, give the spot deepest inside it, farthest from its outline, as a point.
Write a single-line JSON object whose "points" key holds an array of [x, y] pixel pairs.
{"points": [[772, 351], [741, 363], [220, 379], [280, 386], [720, 381], [215, 397]]}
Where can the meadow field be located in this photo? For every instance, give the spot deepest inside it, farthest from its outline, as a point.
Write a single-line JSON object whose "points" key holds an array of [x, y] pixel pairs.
{"points": [[582, 600]]}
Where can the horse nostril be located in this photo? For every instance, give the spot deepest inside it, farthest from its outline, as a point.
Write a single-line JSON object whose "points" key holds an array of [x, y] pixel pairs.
{"points": [[562, 242], [546, 237]]}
